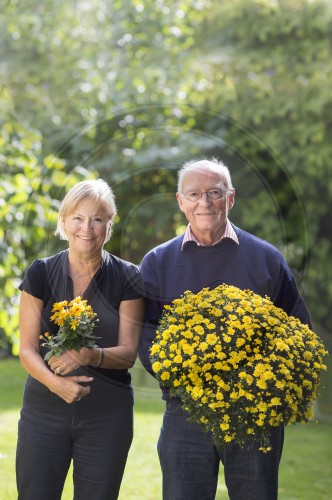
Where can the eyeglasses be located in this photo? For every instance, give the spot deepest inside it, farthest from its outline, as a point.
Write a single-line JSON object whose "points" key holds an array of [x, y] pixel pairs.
{"points": [[212, 194]]}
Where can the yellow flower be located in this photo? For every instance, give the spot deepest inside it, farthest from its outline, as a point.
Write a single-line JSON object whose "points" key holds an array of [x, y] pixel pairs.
{"points": [[154, 349], [58, 306], [199, 329], [198, 318], [180, 310], [74, 324], [240, 341], [262, 406], [228, 438], [224, 426], [178, 359], [211, 326], [261, 384], [211, 339], [156, 366], [197, 392], [275, 402], [282, 346]]}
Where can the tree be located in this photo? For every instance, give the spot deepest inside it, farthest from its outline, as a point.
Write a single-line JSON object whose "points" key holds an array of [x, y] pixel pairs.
{"points": [[276, 64], [29, 190], [129, 90]]}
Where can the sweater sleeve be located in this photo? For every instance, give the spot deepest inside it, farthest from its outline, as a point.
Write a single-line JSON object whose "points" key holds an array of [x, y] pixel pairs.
{"points": [[153, 309]]}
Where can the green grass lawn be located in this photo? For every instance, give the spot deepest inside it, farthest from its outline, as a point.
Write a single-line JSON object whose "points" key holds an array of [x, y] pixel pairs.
{"points": [[305, 472]]}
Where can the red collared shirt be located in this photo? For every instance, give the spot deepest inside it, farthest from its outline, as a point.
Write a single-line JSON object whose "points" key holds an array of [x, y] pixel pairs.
{"points": [[228, 233]]}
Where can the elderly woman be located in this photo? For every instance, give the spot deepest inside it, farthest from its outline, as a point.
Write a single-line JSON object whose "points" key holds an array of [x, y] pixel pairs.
{"points": [[79, 405]]}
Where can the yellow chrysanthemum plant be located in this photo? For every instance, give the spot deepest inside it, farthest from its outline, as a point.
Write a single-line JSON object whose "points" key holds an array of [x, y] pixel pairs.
{"points": [[240, 365], [76, 321]]}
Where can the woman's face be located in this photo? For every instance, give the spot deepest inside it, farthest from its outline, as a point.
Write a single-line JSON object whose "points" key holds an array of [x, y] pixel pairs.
{"points": [[87, 227]]}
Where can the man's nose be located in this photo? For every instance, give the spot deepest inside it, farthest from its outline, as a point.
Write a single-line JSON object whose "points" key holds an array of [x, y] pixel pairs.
{"points": [[205, 197]]}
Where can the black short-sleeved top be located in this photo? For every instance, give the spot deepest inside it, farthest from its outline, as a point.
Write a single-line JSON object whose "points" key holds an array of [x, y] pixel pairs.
{"points": [[116, 280]]}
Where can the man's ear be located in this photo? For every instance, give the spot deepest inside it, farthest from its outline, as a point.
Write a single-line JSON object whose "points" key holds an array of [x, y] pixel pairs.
{"points": [[180, 201], [231, 199]]}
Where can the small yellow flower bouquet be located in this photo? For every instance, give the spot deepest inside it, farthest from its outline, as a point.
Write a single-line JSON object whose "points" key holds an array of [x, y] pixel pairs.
{"points": [[239, 364], [76, 320]]}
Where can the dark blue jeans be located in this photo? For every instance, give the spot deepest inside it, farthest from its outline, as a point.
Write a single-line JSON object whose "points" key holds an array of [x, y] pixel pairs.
{"points": [[190, 462], [96, 433]]}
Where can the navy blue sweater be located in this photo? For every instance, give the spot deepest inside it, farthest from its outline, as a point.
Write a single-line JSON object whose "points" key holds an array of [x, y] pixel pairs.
{"points": [[254, 264]]}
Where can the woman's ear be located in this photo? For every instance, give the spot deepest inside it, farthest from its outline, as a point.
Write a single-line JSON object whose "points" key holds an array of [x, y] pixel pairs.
{"points": [[63, 222]]}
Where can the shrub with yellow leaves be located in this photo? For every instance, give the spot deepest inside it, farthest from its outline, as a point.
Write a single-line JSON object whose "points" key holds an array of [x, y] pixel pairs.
{"points": [[240, 365]]}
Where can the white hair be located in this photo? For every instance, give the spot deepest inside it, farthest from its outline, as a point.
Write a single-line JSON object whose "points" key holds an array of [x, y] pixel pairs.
{"points": [[212, 165]]}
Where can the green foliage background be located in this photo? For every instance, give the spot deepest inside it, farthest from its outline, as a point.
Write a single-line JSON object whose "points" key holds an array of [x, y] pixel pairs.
{"points": [[128, 90]]}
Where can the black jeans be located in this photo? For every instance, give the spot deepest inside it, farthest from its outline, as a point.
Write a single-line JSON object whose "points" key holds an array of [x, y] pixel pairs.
{"points": [[95, 433]]}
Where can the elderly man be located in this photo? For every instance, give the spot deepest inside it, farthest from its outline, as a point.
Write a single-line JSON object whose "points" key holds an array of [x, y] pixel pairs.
{"points": [[212, 251]]}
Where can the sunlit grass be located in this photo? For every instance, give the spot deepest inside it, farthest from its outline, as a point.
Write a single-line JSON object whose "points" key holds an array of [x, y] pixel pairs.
{"points": [[305, 472]]}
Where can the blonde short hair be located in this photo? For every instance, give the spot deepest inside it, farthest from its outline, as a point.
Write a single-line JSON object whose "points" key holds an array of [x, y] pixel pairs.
{"points": [[97, 190]]}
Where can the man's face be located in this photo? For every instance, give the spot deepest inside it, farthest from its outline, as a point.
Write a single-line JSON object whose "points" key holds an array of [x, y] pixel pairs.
{"points": [[207, 216]]}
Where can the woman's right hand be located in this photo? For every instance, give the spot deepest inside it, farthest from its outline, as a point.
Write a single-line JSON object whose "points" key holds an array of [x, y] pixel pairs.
{"points": [[70, 388]]}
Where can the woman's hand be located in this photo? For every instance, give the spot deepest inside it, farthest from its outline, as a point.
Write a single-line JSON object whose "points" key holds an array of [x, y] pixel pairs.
{"points": [[70, 388], [68, 362]]}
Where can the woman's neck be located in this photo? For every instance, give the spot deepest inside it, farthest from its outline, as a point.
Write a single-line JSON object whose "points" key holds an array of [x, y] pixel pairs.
{"points": [[82, 265]]}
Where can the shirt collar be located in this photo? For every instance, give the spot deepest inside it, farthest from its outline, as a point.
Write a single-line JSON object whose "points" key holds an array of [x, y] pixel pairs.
{"points": [[228, 233]]}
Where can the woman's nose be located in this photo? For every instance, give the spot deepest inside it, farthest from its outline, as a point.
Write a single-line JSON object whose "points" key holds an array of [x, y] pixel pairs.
{"points": [[87, 224]]}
